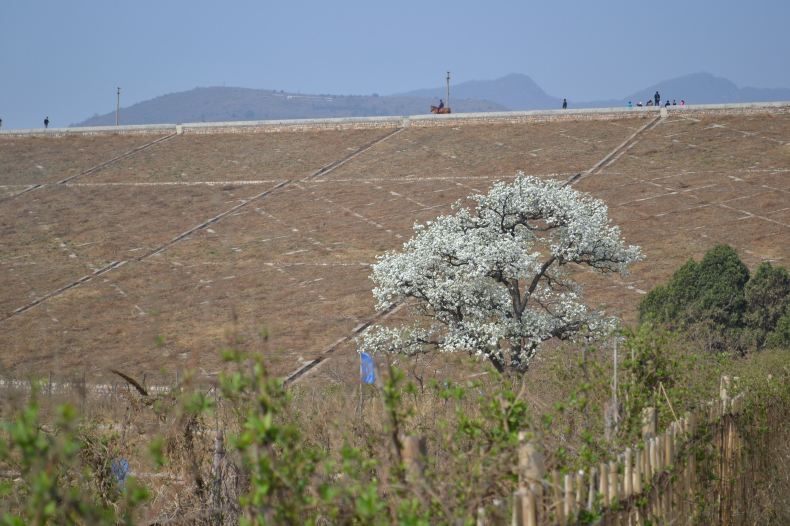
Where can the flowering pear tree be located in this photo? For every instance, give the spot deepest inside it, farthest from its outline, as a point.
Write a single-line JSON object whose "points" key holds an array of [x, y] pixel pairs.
{"points": [[492, 281]]}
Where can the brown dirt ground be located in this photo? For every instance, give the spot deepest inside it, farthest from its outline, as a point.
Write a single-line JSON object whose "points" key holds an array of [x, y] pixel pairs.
{"points": [[53, 236], [294, 264], [33, 160], [491, 151], [12, 189], [238, 157]]}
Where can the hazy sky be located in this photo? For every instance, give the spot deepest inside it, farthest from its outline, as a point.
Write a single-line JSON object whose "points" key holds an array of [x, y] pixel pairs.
{"points": [[64, 58]]}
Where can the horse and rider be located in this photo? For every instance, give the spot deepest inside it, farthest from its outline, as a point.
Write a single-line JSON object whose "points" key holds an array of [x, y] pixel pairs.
{"points": [[440, 108]]}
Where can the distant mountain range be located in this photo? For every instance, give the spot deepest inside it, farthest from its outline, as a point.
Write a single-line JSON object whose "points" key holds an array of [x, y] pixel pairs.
{"points": [[520, 92], [514, 91], [511, 92], [244, 104]]}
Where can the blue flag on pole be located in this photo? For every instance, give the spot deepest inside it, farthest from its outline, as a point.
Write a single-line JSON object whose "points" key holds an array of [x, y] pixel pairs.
{"points": [[120, 468], [367, 368]]}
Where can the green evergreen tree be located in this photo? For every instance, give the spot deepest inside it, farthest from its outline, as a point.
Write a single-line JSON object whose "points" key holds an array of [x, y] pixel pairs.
{"points": [[717, 302], [767, 298]]}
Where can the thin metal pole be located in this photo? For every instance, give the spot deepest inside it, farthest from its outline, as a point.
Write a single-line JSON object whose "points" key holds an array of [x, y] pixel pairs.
{"points": [[117, 106], [614, 385], [447, 104]]}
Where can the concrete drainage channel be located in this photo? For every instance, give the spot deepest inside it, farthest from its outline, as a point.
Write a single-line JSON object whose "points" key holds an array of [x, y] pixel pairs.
{"points": [[309, 365], [157, 250], [112, 265], [614, 154], [93, 169], [184, 235], [337, 164], [116, 159]]}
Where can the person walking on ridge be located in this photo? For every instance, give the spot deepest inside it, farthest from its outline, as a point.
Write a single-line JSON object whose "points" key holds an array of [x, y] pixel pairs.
{"points": [[46, 122], [657, 98], [564, 104]]}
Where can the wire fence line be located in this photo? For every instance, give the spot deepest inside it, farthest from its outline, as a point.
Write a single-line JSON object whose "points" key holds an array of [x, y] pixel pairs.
{"points": [[701, 469], [53, 387]]}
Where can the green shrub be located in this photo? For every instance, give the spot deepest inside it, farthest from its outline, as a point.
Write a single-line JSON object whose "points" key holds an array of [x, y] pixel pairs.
{"points": [[721, 277], [667, 303], [710, 290], [717, 303], [767, 298], [780, 335]]}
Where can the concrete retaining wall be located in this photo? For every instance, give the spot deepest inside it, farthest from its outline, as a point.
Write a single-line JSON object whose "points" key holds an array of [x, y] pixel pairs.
{"points": [[138, 129], [293, 125], [421, 121]]}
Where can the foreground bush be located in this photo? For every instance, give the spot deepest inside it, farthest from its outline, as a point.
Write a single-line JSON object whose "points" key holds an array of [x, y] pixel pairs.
{"points": [[60, 475], [248, 451]]}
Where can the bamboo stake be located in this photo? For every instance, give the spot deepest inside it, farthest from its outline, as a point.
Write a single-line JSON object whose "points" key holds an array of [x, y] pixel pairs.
{"points": [[524, 512], [556, 491], [569, 506], [691, 424], [519, 505], [691, 468], [603, 484], [670, 460], [637, 475], [530, 462], [654, 503], [523, 459], [531, 512], [737, 404], [580, 490], [724, 393], [628, 478], [668, 448], [649, 422], [653, 458], [613, 483], [413, 454], [216, 491], [591, 489]]}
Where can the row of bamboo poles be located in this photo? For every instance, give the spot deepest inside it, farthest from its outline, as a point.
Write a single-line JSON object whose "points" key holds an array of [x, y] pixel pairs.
{"points": [[651, 483]]}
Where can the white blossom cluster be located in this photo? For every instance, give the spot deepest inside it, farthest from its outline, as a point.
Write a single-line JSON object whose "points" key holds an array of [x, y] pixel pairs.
{"points": [[492, 278]]}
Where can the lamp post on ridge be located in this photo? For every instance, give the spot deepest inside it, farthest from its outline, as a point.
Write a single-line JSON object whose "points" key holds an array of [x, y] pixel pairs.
{"points": [[447, 104], [117, 105]]}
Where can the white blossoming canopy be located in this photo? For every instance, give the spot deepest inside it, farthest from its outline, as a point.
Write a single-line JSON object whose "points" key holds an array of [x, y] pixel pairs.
{"points": [[492, 279]]}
